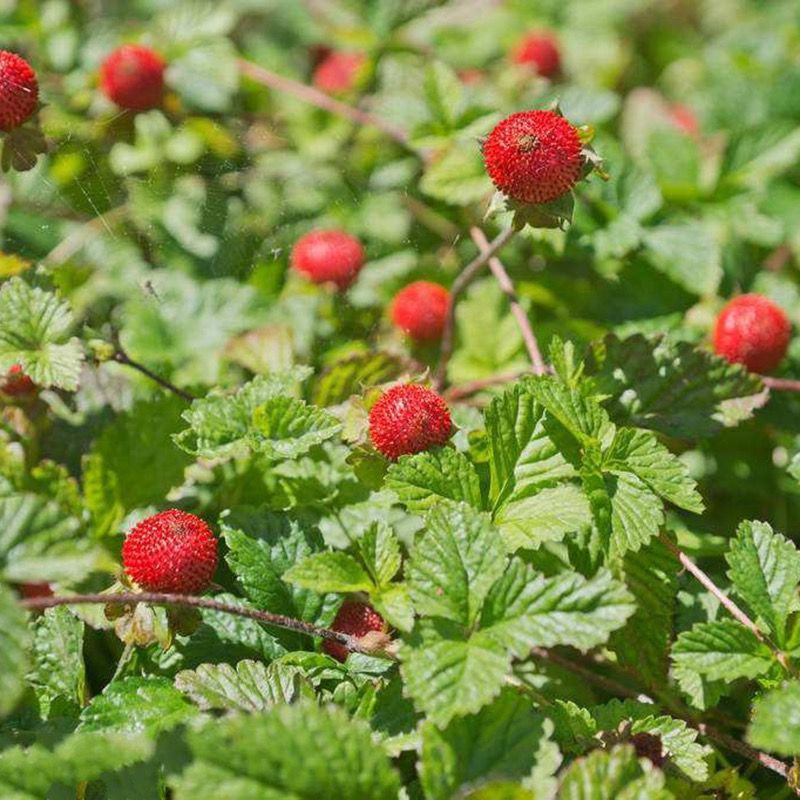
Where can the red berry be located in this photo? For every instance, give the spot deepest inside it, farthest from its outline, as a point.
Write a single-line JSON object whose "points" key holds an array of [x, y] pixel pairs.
{"points": [[32, 590], [328, 256], [533, 156], [684, 119], [471, 75], [172, 551], [19, 91], [753, 331], [539, 49], [355, 619], [17, 383], [133, 78], [420, 310], [337, 72], [408, 418]]}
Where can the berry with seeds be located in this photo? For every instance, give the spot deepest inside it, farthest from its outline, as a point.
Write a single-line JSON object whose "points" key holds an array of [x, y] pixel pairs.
{"points": [[133, 78], [338, 72], [354, 619], [172, 551], [420, 310], [533, 156], [540, 51], [753, 331], [409, 418], [19, 91], [16, 383], [328, 257]]}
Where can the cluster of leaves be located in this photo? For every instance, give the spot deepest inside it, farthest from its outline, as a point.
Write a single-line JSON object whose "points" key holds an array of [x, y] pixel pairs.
{"points": [[546, 641]]}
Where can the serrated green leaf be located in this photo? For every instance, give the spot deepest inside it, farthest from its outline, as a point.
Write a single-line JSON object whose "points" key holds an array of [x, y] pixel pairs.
{"points": [[285, 428], [354, 375], [688, 252], [14, 642], [322, 755], [457, 177], [422, 480], [775, 723], [454, 564], [723, 650], [380, 550], [330, 572], [35, 329], [765, 571], [250, 686], [444, 94], [393, 602]]}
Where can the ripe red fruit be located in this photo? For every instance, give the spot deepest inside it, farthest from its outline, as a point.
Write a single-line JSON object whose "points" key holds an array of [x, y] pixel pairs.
{"points": [[337, 72], [753, 331], [355, 619], [684, 119], [533, 156], [16, 383], [420, 310], [328, 256], [19, 91], [133, 78], [172, 551], [408, 418], [32, 590], [539, 49]]}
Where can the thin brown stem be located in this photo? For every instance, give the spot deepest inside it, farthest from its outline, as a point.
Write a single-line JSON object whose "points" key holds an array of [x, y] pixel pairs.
{"points": [[473, 387], [781, 384], [321, 100], [465, 277], [190, 601], [121, 357], [725, 601], [507, 285]]}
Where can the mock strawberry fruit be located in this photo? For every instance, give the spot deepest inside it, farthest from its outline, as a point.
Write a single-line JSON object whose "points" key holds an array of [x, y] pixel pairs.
{"points": [[328, 257], [409, 418], [533, 156], [354, 619], [19, 91], [753, 331], [172, 551], [420, 310], [16, 383], [133, 78], [30, 591], [539, 49], [337, 72]]}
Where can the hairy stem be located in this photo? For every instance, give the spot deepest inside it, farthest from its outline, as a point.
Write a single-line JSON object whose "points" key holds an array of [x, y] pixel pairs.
{"points": [[190, 601], [463, 280], [507, 285]]}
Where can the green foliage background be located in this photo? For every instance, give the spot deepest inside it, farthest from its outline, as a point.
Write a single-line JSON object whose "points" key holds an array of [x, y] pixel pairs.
{"points": [[541, 618]]}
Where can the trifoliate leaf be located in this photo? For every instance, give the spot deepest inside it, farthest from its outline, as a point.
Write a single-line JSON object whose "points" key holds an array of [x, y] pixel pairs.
{"points": [[765, 571], [35, 328], [422, 480], [723, 650], [775, 723]]}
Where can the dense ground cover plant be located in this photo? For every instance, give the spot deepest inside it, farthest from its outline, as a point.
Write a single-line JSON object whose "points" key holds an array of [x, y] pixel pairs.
{"points": [[399, 400]]}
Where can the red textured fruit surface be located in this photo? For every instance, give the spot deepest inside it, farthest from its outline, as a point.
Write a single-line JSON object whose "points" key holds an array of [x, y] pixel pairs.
{"points": [[172, 551], [16, 383], [328, 257], [337, 72], [753, 331], [408, 418], [19, 91], [133, 78], [420, 310], [355, 619], [539, 50], [533, 156]]}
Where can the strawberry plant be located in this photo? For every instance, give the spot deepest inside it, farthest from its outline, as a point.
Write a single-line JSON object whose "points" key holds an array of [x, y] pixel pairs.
{"points": [[399, 400]]}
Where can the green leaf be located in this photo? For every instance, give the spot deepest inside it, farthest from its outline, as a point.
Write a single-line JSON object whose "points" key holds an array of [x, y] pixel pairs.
{"points": [[448, 674], [35, 329], [322, 755], [672, 387], [688, 252], [723, 650], [380, 550], [284, 428], [206, 76], [765, 571], [220, 425], [422, 480], [250, 686], [524, 611], [329, 572], [775, 723], [444, 94], [544, 517], [353, 376], [133, 462], [14, 642], [458, 177], [58, 669], [393, 602], [454, 564], [137, 704], [507, 739]]}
